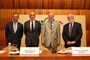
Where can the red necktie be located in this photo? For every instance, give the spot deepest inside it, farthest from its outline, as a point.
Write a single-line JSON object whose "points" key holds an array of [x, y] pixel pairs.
{"points": [[70, 30], [51, 24]]}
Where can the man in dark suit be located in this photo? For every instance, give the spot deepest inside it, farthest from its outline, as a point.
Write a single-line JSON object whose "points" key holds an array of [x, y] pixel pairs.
{"points": [[72, 32], [14, 31], [32, 30]]}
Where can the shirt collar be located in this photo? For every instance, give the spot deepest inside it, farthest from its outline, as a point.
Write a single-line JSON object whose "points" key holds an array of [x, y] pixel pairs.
{"points": [[31, 20], [15, 23], [50, 21], [72, 22]]}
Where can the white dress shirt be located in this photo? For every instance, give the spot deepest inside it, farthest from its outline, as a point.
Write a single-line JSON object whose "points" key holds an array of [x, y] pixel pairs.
{"points": [[50, 22], [15, 26], [31, 24]]}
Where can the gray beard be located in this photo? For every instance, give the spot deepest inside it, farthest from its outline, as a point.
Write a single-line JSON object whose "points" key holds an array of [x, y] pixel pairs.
{"points": [[70, 21]]}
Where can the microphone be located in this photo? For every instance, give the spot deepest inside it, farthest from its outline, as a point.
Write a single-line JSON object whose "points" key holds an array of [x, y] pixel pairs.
{"points": [[54, 51]]}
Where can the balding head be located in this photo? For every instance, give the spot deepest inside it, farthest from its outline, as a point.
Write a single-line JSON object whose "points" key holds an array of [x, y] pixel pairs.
{"points": [[70, 15], [70, 18], [32, 15], [51, 16]]}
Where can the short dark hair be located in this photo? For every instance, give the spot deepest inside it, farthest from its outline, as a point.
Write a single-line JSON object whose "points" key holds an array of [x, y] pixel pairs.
{"points": [[16, 13]]}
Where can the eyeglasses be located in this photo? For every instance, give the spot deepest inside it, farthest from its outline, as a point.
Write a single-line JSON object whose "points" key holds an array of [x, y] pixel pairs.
{"points": [[15, 16], [69, 17]]}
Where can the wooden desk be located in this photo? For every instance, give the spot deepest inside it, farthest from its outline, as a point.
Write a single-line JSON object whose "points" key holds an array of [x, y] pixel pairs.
{"points": [[45, 55]]}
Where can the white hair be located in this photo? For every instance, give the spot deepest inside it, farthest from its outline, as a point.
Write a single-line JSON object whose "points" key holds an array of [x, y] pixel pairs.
{"points": [[71, 14], [31, 12]]}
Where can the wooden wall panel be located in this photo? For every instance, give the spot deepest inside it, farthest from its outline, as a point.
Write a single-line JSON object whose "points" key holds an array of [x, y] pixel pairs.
{"points": [[88, 37], [3, 40], [44, 4], [6, 16]]}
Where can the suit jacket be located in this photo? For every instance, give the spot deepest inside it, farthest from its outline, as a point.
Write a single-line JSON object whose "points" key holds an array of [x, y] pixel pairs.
{"points": [[32, 36], [49, 35], [14, 38], [76, 34]]}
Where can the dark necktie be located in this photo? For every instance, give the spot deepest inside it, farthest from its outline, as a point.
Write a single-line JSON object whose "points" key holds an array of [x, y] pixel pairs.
{"points": [[32, 25], [70, 30], [51, 24]]}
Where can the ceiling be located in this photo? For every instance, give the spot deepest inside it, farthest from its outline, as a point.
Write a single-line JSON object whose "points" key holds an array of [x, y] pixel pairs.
{"points": [[45, 4]]}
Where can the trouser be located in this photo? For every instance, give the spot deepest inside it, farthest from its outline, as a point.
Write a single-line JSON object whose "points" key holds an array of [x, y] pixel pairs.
{"points": [[31, 45], [51, 48]]}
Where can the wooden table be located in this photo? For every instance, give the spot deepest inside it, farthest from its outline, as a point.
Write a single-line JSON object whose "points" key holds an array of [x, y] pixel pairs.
{"points": [[45, 55]]}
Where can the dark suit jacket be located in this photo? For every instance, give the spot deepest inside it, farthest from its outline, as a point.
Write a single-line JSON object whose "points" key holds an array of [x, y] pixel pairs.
{"points": [[75, 35], [32, 36], [14, 38]]}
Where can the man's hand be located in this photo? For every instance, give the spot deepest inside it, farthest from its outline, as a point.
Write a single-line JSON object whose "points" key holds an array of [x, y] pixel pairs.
{"points": [[43, 44], [73, 42], [68, 43]]}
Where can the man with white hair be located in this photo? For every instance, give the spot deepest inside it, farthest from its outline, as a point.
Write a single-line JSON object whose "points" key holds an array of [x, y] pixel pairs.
{"points": [[32, 30], [72, 32]]}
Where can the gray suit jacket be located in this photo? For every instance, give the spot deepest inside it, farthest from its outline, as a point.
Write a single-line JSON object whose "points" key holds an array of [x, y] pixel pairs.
{"points": [[49, 35]]}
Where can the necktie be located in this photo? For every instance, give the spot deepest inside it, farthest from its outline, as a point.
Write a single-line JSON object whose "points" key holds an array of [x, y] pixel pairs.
{"points": [[70, 30], [32, 25], [51, 24]]}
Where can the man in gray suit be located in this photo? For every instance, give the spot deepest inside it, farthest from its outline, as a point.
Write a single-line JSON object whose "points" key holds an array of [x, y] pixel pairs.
{"points": [[32, 30], [50, 36]]}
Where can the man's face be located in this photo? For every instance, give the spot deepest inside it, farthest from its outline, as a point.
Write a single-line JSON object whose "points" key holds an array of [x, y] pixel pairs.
{"points": [[70, 18], [32, 16], [50, 17], [15, 17]]}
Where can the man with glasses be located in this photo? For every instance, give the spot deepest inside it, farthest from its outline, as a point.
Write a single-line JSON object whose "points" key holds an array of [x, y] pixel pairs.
{"points": [[72, 32], [14, 31]]}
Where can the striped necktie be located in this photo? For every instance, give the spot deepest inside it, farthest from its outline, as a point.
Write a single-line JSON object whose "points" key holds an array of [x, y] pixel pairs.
{"points": [[70, 30]]}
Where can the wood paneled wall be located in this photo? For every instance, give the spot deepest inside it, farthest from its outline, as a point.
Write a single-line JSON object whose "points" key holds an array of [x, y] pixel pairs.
{"points": [[44, 4], [6, 16]]}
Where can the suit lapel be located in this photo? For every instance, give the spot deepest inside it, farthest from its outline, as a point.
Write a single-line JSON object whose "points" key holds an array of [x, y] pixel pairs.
{"points": [[73, 27], [12, 27], [29, 25], [53, 24], [48, 24], [68, 29], [35, 24]]}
